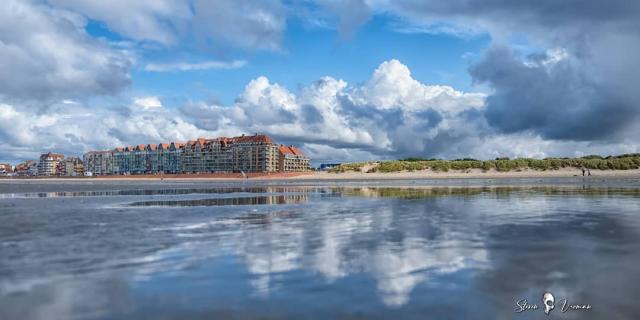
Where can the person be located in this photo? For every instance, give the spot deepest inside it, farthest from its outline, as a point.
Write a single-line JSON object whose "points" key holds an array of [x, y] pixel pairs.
{"points": [[583, 171], [589, 171]]}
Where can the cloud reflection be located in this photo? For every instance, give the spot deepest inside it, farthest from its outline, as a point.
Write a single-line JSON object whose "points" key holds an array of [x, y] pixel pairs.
{"points": [[411, 249]]}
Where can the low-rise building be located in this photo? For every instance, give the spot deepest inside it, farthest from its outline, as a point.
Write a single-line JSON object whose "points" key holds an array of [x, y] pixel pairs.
{"points": [[27, 168], [6, 169], [49, 164], [292, 159]]}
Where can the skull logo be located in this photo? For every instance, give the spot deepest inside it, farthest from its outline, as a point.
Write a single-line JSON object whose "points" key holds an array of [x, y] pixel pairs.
{"points": [[548, 300]]}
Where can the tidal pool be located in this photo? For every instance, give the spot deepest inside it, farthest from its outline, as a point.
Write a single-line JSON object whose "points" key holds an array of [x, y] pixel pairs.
{"points": [[320, 251]]}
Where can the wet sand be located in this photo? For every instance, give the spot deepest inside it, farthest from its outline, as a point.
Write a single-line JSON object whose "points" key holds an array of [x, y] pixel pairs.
{"points": [[314, 176], [300, 249]]}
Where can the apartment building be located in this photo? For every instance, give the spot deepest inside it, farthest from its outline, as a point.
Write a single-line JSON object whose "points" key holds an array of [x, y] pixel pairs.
{"points": [[292, 159], [246, 153], [72, 167], [193, 156], [169, 157], [49, 164], [99, 163], [257, 153]]}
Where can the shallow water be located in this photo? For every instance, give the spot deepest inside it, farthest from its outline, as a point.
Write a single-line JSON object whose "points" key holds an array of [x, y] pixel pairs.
{"points": [[340, 251]]}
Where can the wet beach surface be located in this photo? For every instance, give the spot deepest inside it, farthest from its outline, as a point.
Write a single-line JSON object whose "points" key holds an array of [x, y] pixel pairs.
{"points": [[427, 249]]}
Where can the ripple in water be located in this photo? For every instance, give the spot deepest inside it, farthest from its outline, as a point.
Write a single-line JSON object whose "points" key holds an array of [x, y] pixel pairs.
{"points": [[337, 252]]}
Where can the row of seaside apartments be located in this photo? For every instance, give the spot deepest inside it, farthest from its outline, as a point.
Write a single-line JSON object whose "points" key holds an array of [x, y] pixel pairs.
{"points": [[246, 153]]}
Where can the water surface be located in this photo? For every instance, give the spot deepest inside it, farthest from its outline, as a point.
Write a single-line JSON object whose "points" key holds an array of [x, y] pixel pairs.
{"points": [[319, 251]]}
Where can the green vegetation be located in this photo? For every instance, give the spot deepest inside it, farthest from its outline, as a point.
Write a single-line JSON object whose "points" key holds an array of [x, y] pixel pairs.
{"points": [[620, 162], [354, 166]]}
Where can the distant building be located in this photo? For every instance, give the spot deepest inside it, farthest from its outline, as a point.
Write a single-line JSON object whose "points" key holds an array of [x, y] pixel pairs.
{"points": [[168, 158], [292, 159], [246, 153], [72, 167], [49, 164], [256, 153], [27, 168], [98, 163], [6, 169]]}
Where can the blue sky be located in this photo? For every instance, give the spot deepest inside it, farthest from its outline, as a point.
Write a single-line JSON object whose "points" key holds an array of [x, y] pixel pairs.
{"points": [[310, 52], [344, 80]]}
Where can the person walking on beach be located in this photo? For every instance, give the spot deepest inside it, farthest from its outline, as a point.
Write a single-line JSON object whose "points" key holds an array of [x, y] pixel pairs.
{"points": [[582, 171], [589, 172]]}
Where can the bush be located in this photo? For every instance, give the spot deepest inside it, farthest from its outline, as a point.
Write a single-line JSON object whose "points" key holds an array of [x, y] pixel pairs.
{"points": [[621, 162]]}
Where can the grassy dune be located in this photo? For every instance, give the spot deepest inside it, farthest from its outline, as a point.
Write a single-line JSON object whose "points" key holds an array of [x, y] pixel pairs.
{"points": [[620, 162]]}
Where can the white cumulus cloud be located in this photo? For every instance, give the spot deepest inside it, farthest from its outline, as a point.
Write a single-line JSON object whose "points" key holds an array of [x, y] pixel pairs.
{"points": [[390, 115], [148, 102]]}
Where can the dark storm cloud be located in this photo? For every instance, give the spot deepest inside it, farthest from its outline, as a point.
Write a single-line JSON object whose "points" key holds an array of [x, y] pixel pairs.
{"points": [[559, 102], [589, 94], [428, 119], [526, 14]]}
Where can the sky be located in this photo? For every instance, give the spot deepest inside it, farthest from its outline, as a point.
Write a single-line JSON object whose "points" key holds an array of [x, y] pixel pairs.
{"points": [[344, 80]]}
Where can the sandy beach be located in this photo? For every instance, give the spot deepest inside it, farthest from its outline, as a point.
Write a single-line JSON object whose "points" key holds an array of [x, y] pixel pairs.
{"points": [[405, 175], [470, 174]]}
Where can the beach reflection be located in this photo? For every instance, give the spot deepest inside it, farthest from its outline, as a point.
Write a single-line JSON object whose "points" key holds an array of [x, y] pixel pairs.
{"points": [[406, 243], [154, 192], [455, 253], [260, 200]]}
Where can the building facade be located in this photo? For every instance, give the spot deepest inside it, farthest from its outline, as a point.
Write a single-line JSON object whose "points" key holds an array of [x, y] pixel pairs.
{"points": [[291, 159], [5, 169], [257, 153], [98, 163], [72, 167], [246, 153], [49, 164], [27, 168]]}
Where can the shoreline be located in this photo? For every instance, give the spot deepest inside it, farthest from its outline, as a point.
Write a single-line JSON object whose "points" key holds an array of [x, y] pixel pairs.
{"points": [[315, 176]]}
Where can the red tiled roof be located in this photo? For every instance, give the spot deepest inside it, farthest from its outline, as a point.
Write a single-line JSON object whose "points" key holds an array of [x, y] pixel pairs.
{"points": [[256, 138], [290, 150], [296, 151]]}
